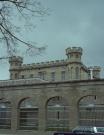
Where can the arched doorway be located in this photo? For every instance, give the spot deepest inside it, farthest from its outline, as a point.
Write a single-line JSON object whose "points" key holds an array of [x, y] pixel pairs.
{"points": [[57, 116], [91, 111]]}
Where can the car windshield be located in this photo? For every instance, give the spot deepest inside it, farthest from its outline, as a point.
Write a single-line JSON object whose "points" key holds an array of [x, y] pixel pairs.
{"points": [[100, 129]]}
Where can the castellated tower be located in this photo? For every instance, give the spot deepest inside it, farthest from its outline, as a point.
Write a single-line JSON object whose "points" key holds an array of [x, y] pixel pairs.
{"points": [[75, 65], [15, 63], [74, 54], [94, 72]]}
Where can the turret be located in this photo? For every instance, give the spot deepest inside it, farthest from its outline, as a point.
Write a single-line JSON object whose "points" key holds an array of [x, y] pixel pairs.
{"points": [[94, 72], [74, 54], [15, 63], [74, 62]]}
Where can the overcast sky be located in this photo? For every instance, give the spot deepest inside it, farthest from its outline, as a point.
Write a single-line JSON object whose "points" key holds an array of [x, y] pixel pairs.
{"points": [[70, 23]]}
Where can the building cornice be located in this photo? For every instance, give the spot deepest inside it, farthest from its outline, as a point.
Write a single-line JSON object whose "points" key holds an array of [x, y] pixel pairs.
{"points": [[39, 82]]}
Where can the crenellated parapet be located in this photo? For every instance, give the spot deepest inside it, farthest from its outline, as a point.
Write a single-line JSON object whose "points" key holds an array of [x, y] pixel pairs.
{"points": [[46, 64], [16, 58], [98, 68], [70, 50], [15, 64], [15, 61]]}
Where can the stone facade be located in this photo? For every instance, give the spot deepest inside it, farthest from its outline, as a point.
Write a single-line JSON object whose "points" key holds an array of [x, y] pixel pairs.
{"points": [[71, 68], [40, 106], [41, 92]]}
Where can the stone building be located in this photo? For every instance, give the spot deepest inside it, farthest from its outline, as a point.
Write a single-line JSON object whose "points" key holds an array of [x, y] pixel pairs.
{"points": [[71, 68], [42, 98]]}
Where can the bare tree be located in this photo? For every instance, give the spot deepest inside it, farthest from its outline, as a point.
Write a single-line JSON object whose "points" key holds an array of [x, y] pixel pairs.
{"points": [[25, 9]]}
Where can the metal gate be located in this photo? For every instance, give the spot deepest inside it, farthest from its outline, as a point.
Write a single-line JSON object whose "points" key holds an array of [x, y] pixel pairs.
{"points": [[91, 111]]}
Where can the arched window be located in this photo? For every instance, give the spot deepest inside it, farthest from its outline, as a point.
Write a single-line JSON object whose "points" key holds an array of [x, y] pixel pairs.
{"points": [[91, 111], [5, 114], [57, 114], [77, 72], [28, 114], [71, 74]]}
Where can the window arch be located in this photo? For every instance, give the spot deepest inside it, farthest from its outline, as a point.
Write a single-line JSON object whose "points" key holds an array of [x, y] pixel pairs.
{"points": [[57, 117], [77, 72], [71, 73], [28, 114], [5, 114], [91, 111]]}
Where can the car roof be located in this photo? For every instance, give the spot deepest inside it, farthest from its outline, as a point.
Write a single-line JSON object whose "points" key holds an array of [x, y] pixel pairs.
{"points": [[84, 128]]}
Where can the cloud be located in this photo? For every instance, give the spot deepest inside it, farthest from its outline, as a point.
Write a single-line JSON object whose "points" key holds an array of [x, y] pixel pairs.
{"points": [[71, 23]]}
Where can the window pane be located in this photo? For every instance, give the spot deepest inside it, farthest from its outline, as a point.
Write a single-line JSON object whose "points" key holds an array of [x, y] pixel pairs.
{"points": [[53, 76]]}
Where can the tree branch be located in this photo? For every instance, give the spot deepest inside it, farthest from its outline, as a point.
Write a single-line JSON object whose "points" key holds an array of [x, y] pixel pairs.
{"points": [[7, 28]]}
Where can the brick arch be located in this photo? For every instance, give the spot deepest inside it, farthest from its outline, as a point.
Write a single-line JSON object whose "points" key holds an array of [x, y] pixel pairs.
{"points": [[56, 95], [22, 99], [57, 113], [82, 97], [91, 110], [28, 114]]}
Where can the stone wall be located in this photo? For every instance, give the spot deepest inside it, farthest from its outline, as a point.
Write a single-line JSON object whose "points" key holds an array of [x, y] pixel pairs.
{"points": [[41, 92]]}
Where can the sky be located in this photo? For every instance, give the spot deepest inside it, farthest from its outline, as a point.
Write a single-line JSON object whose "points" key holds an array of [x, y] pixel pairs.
{"points": [[78, 23]]}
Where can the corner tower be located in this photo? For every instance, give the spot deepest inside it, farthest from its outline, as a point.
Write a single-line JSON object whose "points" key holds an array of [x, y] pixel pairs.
{"points": [[94, 72], [15, 63], [74, 54], [74, 62]]}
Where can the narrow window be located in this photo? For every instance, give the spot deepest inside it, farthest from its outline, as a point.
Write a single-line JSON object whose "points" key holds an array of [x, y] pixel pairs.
{"points": [[53, 76], [41, 75], [63, 75], [71, 73], [77, 72], [58, 115], [16, 75], [22, 76], [31, 75]]}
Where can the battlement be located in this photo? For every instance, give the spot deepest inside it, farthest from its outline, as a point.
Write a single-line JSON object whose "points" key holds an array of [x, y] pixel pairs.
{"points": [[74, 54], [94, 72], [95, 68], [15, 59], [70, 50], [46, 64]]}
